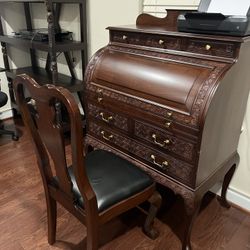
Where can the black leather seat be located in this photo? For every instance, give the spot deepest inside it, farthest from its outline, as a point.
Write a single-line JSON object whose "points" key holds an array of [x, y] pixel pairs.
{"points": [[112, 178], [3, 101]]}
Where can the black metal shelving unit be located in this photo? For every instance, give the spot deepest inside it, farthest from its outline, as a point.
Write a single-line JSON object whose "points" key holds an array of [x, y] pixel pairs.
{"points": [[50, 73]]}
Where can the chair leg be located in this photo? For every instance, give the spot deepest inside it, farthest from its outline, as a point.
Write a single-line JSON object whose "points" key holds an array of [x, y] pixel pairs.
{"points": [[52, 214], [92, 236], [155, 203]]}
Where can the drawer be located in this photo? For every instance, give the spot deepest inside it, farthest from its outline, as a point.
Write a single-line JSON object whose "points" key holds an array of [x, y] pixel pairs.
{"points": [[164, 141], [109, 99], [211, 48], [159, 162], [156, 41], [166, 119], [107, 116]]}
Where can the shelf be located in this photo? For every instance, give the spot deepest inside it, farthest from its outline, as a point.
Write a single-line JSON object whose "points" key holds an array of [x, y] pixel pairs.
{"points": [[2, 69], [43, 77], [43, 46]]}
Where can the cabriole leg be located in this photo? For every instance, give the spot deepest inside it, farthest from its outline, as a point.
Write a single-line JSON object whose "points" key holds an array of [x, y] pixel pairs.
{"points": [[192, 210], [227, 179], [52, 214]]}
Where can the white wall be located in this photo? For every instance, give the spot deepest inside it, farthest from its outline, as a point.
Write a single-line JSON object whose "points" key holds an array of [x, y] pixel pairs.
{"points": [[241, 180], [109, 13]]}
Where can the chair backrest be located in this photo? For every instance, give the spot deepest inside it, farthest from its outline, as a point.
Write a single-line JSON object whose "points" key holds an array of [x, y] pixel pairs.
{"points": [[47, 134]]}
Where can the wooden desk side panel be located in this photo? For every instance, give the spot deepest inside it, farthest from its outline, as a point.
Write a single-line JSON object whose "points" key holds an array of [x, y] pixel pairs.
{"points": [[224, 117]]}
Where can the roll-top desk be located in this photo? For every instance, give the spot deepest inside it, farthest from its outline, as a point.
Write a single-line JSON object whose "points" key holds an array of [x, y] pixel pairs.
{"points": [[172, 103]]}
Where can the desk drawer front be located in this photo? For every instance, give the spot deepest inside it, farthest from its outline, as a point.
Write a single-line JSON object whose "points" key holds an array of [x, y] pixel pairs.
{"points": [[156, 41], [200, 46], [211, 48], [164, 141], [107, 116], [163, 163], [165, 117]]}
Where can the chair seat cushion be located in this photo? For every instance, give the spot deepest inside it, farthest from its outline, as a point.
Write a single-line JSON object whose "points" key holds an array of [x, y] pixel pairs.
{"points": [[113, 179], [3, 99]]}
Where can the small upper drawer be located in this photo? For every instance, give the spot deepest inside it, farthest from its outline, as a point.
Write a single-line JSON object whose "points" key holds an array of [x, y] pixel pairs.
{"points": [[109, 117], [149, 40], [164, 141], [210, 48]]}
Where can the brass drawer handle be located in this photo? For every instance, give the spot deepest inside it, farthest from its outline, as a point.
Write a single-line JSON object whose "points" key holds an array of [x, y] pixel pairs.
{"points": [[161, 42], [168, 124], [108, 119], [99, 98], [161, 165], [208, 47], [124, 37], [165, 142], [105, 137], [169, 114]]}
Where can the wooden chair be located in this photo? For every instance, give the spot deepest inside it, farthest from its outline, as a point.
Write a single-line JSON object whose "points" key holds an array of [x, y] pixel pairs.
{"points": [[98, 186]]}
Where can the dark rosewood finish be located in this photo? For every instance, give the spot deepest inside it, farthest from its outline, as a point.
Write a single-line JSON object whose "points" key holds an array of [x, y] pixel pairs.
{"points": [[184, 97]]}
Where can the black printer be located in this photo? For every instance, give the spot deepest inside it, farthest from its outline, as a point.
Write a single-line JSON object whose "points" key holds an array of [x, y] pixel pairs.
{"points": [[214, 23]]}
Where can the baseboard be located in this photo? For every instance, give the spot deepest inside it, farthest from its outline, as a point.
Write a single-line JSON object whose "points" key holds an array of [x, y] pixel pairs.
{"points": [[235, 197], [6, 114], [239, 199]]}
